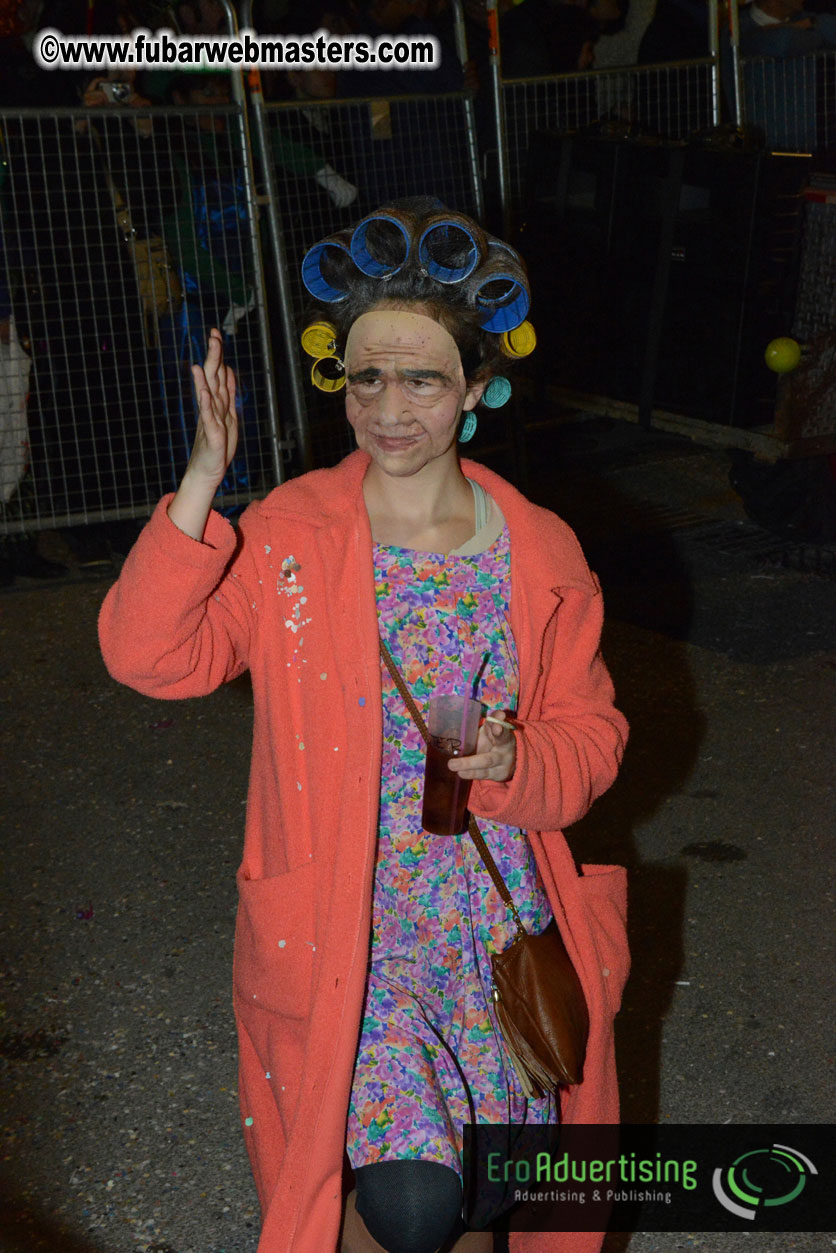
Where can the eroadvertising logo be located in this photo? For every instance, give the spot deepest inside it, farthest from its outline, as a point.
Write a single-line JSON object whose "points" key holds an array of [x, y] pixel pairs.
{"points": [[773, 1176], [671, 1178]]}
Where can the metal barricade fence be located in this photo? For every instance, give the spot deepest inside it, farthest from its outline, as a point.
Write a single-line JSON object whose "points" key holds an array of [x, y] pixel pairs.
{"points": [[670, 101], [125, 235], [790, 102], [380, 150]]}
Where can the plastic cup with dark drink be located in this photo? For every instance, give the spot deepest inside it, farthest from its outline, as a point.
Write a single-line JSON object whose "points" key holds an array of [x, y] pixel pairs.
{"points": [[453, 724]]}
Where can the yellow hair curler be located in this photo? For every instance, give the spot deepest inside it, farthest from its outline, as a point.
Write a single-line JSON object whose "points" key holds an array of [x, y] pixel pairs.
{"points": [[328, 374], [519, 342], [319, 339]]}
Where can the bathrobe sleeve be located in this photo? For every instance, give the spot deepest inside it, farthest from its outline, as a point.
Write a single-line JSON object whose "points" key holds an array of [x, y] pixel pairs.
{"points": [[179, 620], [572, 739]]}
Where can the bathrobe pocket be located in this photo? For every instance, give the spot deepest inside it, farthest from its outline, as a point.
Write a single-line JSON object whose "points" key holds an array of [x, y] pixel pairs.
{"points": [[275, 942], [604, 892]]}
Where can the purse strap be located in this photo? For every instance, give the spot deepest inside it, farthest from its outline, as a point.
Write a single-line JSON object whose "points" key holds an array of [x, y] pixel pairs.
{"points": [[475, 833]]}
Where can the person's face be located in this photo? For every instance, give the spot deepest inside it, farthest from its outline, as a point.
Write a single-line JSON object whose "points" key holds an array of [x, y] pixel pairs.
{"points": [[405, 389]]}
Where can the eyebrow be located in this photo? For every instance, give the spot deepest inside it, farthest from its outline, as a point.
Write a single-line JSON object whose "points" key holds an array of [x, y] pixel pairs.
{"points": [[364, 376], [426, 374], [371, 373]]}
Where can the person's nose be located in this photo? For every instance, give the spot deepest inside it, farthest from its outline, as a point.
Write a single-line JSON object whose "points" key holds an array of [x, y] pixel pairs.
{"points": [[394, 405]]}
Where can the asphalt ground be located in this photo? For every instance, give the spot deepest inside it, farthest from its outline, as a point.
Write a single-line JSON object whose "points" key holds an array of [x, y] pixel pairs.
{"points": [[123, 821]]}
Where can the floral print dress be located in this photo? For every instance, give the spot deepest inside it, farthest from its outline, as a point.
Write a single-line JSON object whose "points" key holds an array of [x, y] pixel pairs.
{"points": [[429, 1056]]}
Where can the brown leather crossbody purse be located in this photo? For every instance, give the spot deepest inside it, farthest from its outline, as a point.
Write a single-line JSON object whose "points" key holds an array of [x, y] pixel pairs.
{"points": [[539, 1001]]}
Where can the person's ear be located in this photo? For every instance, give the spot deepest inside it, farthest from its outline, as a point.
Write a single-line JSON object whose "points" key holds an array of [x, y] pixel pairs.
{"points": [[474, 395]]}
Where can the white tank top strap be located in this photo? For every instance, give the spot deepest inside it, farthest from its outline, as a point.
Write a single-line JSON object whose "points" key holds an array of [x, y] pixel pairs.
{"points": [[489, 523], [480, 497]]}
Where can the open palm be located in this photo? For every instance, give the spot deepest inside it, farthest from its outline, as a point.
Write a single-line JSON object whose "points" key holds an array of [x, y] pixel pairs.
{"points": [[217, 429]]}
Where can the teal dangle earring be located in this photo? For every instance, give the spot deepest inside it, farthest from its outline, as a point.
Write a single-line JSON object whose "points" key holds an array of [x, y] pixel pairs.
{"points": [[468, 427], [497, 392]]}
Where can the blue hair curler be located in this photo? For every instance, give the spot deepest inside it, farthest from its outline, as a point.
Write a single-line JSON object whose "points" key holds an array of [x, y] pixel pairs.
{"points": [[504, 312], [312, 276], [505, 306], [363, 256], [450, 232]]}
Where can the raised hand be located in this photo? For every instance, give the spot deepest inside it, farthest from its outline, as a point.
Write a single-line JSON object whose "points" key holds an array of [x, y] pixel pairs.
{"points": [[216, 437], [215, 441]]}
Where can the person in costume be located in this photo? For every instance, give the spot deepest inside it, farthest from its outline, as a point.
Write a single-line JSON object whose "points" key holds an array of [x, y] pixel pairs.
{"points": [[362, 977]]}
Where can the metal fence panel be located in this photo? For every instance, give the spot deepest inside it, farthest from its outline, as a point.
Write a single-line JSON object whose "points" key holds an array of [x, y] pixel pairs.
{"points": [[790, 102], [668, 101], [812, 412], [815, 312], [385, 149], [124, 236]]}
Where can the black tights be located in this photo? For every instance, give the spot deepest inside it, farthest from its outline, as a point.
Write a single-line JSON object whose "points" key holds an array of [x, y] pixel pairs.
{"points": [[410, 1206]]}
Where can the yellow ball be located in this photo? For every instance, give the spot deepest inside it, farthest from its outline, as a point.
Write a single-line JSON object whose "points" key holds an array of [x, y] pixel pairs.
{"points": [[782, 354]]}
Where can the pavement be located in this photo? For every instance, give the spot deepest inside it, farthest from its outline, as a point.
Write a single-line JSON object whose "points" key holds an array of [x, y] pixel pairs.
{"points": [[124, 816]]}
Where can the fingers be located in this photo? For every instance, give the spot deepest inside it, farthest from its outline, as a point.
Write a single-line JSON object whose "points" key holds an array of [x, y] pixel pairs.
{"points": [[494, 765], [230, 390], [211, 421], [204, 396], [94, 97], [496, 732], [214, 362], [465, 766], [216, 435], [214, 370], [216, 340], [214, 382], [495, 756], [492, 736], [200, 385], [477, 761]]}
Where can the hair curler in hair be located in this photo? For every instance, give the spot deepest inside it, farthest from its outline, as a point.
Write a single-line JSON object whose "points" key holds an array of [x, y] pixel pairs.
{"points": [[319, 339], [499, 289], [381, 243], [326, 265], [328, 374], [519, 342], [450, 247]]}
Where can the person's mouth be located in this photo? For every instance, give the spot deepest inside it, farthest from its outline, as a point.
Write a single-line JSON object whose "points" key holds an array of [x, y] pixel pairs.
{"points": [[395, 443]]}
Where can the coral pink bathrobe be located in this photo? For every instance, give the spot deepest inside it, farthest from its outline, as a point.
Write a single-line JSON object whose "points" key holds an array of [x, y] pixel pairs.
{"points": [[184, 617]]}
